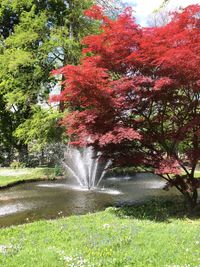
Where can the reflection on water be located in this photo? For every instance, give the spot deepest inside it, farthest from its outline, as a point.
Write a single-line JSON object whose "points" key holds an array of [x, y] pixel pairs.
{"points": [[12, 208], [48, 200]]}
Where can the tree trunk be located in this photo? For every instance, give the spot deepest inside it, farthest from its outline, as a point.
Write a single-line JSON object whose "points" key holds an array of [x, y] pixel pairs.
{"points": [[23, 153], [187, 186], [191, 199], [41, 159]]}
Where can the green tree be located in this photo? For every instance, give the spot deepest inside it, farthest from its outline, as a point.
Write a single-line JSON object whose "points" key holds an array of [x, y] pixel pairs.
{"points": [[36, 36]]}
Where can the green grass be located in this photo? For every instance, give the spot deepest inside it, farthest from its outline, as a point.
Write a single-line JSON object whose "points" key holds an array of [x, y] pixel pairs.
{"points": [[10, 176], [197, 174], [151, 234]]}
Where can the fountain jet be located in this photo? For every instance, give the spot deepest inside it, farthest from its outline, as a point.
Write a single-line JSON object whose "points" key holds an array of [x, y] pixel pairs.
{"points": [[84, 165]]}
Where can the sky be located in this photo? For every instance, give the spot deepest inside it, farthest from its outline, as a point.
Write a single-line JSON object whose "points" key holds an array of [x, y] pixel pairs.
{"points": [[144, 8]]}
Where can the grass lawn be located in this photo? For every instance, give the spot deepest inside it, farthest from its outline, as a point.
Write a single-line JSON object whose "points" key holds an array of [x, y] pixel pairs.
{"points": [[10, 176], [154, 234]]}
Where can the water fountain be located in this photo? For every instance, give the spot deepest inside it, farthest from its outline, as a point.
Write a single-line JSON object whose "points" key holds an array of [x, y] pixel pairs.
{"points": [[85, 166], [50, 199]]}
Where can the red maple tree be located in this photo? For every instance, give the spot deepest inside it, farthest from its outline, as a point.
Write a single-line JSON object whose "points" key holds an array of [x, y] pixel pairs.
{"points": [[136, 95]]}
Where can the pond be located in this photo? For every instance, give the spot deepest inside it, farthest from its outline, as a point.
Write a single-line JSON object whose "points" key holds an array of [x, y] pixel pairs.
{"points": [[48, 200]]}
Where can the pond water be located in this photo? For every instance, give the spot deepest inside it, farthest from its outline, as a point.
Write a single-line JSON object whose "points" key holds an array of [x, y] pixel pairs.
{"points": [[48, 200]]}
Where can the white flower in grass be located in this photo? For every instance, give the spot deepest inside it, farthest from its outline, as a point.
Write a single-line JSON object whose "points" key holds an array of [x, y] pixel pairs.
{"points": [[106, 225], [4, 248]]}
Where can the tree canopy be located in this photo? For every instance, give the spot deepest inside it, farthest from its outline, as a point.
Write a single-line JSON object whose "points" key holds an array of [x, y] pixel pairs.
{"points": [[136, 95], [36, 36]]}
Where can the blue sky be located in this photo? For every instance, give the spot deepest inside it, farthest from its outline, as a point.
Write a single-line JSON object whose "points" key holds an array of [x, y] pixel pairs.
{"points": [[144, 8]]}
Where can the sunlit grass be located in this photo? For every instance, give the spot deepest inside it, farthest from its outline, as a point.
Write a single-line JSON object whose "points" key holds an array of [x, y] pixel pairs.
{"points": [[197, 174], [10, 176]]}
